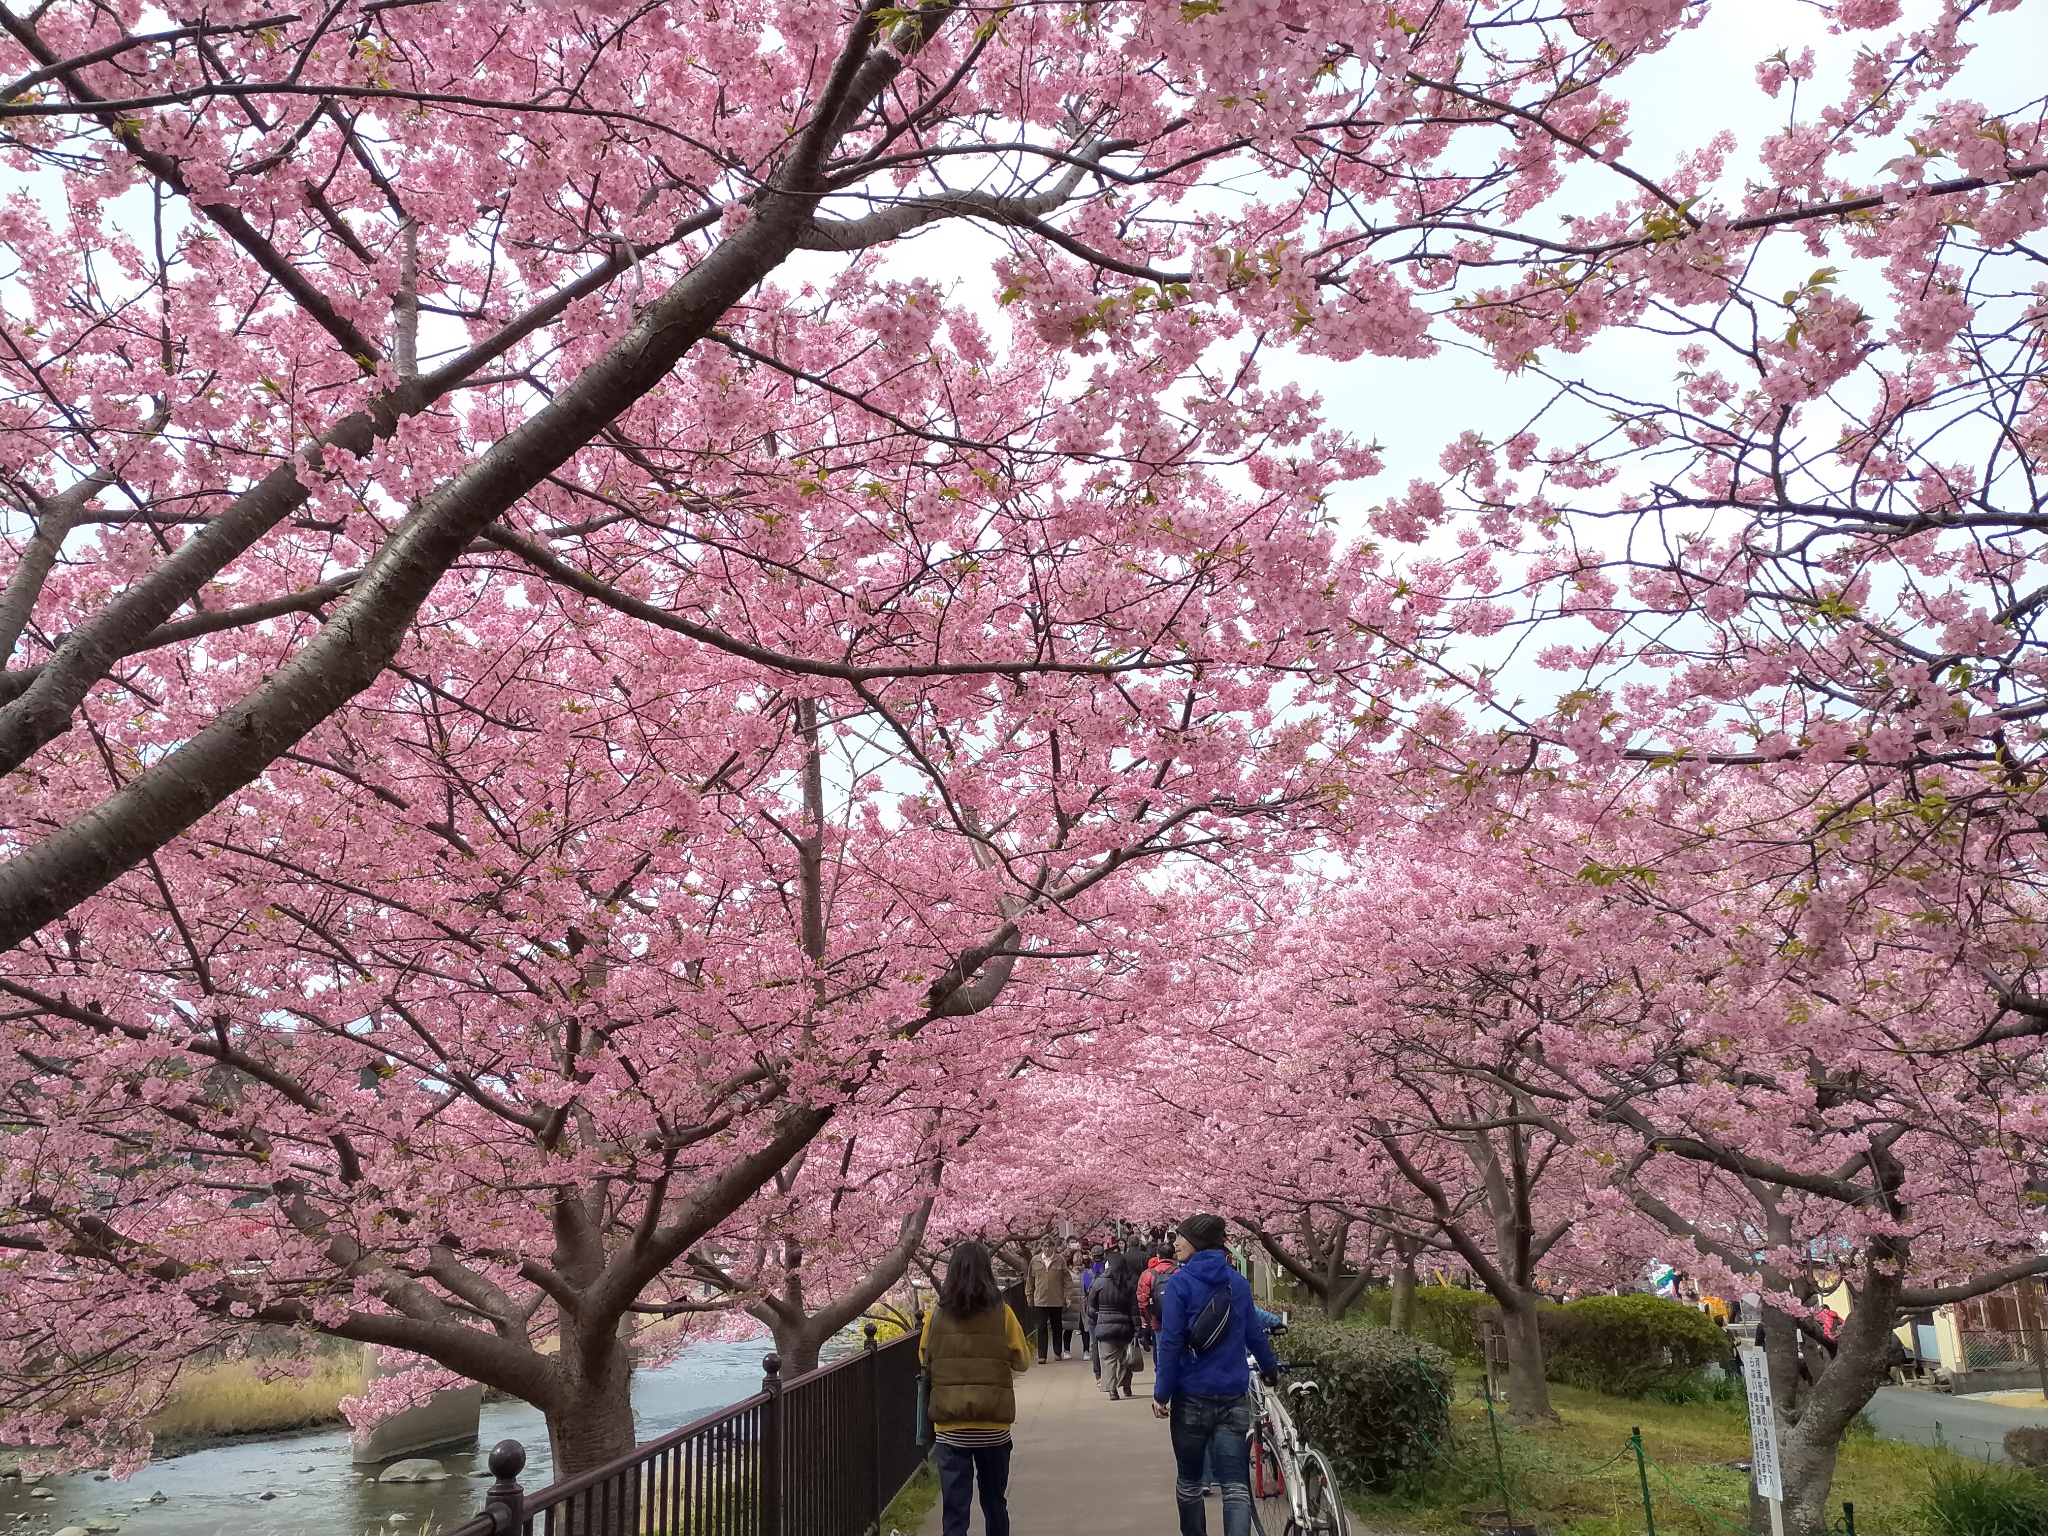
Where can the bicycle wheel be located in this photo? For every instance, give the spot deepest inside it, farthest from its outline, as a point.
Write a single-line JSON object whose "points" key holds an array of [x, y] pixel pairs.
{"points": [[1324, 1504], [1270, 1513]]}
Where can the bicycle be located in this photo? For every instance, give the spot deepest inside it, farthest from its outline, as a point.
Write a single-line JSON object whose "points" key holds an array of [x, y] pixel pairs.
{"points": [[1294, 1487]]}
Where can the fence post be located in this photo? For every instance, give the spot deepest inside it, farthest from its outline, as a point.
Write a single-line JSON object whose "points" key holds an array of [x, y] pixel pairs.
{"points": [[771, 1446], [1848, 1518], [505, 1500], [1635, 1440], [1500, 1466], [874, 1366]]}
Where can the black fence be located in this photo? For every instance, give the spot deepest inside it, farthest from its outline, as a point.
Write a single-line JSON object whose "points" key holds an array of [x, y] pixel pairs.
{"points": [[819, 1455]]}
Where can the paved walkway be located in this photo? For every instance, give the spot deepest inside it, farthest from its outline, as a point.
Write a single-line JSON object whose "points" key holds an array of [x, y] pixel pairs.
{"points": [[1084, 1464], [1969, 1426]]}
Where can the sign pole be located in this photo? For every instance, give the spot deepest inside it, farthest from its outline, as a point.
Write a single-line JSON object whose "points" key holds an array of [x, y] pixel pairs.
{"points": [[1763, 1431]]}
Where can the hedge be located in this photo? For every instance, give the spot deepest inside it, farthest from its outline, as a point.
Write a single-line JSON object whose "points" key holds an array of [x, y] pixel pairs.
{"points": [[1381, 1398], [1623, 1346], [1627, 1345], [1444, 1315]]}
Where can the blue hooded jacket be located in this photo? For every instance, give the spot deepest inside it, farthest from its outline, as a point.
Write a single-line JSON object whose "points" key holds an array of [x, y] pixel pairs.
{"points": [[1222, 1372]]}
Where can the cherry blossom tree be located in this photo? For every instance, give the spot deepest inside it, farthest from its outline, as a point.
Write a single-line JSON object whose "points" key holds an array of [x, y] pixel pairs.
{"points": [[315, 318], [469, 1024], [550, 666], [1412, 996], [835, 1232], [1770, 1068], [1817, 548]]}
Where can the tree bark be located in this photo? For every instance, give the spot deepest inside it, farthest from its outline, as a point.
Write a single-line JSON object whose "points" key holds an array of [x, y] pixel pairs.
{"points": [[590, 1417], [1343, 1296], [1401, 1307], [1319, 1267], [1809, 1446], [1528, 1392], [800, 1334]]}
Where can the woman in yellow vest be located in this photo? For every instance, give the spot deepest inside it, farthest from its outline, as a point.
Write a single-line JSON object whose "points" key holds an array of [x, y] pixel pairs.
{"points": [[974, 1348]]}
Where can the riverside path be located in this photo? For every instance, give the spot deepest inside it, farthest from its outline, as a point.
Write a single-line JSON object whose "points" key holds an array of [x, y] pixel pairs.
{"points": [[1083, 1463]]}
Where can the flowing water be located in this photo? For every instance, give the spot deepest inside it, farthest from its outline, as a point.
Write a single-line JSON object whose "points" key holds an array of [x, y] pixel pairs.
{"points": [[307, 1485]]}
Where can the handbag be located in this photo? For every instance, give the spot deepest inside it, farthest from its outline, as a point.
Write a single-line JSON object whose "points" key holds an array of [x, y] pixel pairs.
{"points": [[1134, 1357]]}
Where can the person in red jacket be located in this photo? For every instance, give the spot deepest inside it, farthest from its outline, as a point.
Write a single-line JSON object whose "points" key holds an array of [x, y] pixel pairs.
{"points": [[1152, 1292]]}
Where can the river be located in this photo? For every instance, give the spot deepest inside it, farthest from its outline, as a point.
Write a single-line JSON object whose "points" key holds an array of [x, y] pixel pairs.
{"points": [[307, 1485]]}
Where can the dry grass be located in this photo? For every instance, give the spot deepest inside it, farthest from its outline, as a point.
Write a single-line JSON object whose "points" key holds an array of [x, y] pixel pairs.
{"points": [[233, 1399]]}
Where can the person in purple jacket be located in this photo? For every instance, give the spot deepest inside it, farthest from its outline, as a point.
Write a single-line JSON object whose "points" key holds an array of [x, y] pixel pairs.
{"points": [[1208, 1326]]}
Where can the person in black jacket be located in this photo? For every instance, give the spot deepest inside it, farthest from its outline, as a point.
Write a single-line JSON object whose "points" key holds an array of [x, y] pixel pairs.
{"points": [[1113, 1322]]}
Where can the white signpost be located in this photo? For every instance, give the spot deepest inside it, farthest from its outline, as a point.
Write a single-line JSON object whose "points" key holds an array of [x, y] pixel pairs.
{"points": [[1763, 1435]]}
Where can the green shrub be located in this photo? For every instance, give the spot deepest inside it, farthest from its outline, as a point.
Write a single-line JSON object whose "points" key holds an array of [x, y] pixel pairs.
{"points": [[1973, 1499], [1381, 1398], [1627, 1346], [1444, 1315]]}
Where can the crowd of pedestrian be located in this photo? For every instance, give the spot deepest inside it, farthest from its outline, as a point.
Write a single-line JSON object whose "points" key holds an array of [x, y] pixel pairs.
{"points": [[1172, 1301]]}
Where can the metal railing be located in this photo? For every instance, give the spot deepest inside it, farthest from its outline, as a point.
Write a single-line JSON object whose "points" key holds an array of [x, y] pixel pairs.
{"points": [[819, 1455]]}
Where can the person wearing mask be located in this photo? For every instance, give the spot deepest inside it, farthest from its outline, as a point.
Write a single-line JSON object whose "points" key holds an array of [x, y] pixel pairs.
{"points": [[1046, 1291], [1208, 1325], [974, 1347], [1113, 1325], [1071, 1315]]}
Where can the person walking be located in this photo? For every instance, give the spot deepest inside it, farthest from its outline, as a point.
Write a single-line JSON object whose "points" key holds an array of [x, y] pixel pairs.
{"points": [[1113, 1325], [974, 1347], [1091, 1271], [1208, 1325], [1046, 1291], [1159, 1268], [1071, 1315]]}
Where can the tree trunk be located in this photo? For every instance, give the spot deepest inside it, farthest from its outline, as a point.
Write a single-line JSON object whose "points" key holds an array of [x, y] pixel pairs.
{"points": [[1401, 1308], [1528, 1392], [1781, 1348], [590, 1422], [1342, 1294], [1808, 1448], [799, 1345]]}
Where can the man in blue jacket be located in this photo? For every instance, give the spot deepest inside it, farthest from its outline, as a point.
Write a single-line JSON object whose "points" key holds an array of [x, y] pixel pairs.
{"points": [[1207, 1394]]}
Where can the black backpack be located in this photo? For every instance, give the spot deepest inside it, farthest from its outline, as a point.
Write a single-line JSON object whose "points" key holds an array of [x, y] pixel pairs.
{"points": [[1152, 1308]]}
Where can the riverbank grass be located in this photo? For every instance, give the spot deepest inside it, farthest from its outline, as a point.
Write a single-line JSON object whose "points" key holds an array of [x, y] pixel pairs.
{"points": [[212, 1401], [907, 1511], [1579, 1477]]}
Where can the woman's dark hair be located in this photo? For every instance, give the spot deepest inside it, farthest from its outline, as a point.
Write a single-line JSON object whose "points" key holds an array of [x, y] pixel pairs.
{"points": [[970, 1285], [1120, 1281]]}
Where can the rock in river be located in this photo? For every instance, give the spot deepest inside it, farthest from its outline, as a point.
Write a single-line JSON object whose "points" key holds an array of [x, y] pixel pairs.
{"points": [[414, 1469]]}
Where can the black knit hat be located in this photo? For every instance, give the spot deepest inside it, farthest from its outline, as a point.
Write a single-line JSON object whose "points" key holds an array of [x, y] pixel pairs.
{"points": [[1202, 1230]]}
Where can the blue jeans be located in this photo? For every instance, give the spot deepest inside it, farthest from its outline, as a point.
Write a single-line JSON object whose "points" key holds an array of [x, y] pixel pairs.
{"points": [[1216, 1430], [959, 1470]]}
